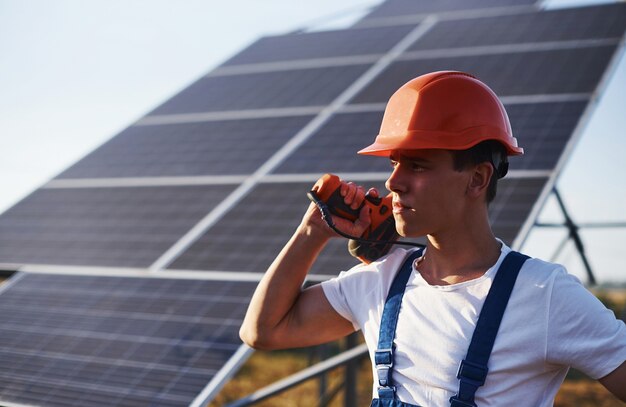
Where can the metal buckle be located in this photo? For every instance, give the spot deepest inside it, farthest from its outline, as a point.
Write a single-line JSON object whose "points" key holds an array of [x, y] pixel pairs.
{"points": [[383, 375], [455, 402], [386, 392], [383, 360], [472, 373], [383, 357]]}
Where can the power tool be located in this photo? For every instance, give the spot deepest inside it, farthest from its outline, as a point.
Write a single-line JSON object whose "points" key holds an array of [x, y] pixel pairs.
{"points": [[377, 240]]}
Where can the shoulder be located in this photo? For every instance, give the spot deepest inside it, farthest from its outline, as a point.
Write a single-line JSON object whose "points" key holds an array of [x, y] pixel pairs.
{"points": [[543, 272], [388, 264], [554, 279], [536, 276], [547, 291], [551, 282], [364, 278], [354, 293]]}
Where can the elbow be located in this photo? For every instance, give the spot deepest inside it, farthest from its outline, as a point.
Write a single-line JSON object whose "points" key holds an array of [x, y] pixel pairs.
{"points": [[256, 338], [250, 338]]}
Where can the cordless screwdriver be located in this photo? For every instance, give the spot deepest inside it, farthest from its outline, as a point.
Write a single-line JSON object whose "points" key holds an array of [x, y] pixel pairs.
{"points": [[377, 240]]}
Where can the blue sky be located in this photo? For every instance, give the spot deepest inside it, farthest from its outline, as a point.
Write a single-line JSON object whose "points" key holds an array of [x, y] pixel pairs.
{"points": [[74, 73]]}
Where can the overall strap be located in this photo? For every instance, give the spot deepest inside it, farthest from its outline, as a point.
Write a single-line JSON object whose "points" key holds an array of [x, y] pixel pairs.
{"points": [[383, 356], [473, 369]]}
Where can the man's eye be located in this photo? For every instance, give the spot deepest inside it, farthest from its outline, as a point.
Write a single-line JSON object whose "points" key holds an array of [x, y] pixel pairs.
{"points": [[393, 163], [417, 167]]}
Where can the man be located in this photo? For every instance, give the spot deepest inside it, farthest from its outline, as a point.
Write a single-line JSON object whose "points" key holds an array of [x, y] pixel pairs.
{"points": [[447, 137]]}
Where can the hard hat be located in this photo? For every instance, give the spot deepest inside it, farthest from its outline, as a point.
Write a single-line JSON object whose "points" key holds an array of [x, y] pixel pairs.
{"points": [[444, 110]]}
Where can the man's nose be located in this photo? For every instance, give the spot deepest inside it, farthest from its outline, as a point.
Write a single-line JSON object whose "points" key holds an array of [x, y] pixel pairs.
{"points": [[394, 182]]}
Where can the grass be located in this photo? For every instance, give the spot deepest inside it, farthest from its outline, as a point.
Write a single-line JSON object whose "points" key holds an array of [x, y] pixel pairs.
{"points": [[584, 393]]}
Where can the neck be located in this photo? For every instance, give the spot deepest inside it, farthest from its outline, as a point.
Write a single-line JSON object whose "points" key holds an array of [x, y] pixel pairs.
{"points": [[460, 255]]}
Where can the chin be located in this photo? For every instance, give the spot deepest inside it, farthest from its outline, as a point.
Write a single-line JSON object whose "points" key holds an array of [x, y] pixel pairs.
{"points": [[403, 229], [406, 231], [411, 235]]}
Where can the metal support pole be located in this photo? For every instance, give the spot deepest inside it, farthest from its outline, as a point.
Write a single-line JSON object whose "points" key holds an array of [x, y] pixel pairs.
{"points": [[328, 397], [322, 353], [575, 236], [350, 393]]}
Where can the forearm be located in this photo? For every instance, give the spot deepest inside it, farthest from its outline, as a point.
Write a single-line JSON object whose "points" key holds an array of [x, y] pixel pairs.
{"points": [[281, 314]]}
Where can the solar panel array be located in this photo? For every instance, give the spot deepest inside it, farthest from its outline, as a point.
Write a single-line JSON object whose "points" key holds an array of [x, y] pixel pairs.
{"points": [[94, 340], [138, 261]]}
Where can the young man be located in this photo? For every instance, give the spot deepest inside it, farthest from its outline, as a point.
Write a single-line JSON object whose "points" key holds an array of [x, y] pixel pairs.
{"points": [[447, 136]]}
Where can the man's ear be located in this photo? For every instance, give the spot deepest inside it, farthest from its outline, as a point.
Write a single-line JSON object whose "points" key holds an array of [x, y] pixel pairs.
{"points": [[479, 179]]}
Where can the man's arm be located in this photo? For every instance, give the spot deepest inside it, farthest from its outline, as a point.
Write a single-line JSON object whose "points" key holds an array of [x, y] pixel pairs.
{"points": [[615, 382], [281, 314]]}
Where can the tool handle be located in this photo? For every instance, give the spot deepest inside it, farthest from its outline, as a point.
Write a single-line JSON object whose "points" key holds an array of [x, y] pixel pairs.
{"points": [[328, 190], [379, 236]]}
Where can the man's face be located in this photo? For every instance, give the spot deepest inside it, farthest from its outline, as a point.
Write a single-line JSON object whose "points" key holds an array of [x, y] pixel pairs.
{"points": [[428, 193]]}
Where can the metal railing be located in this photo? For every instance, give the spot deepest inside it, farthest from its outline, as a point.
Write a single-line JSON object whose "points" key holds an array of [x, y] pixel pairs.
{"points": [[348, 358]]}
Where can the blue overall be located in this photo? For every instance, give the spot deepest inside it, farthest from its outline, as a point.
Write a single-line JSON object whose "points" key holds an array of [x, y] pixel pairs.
{"points": [[473, 369]]}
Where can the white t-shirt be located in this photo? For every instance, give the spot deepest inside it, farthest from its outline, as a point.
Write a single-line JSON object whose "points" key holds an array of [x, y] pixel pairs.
{"points": [[551, 322]]}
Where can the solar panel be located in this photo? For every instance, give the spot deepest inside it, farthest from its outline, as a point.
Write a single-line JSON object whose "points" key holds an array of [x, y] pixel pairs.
{"points": [[400, 8], [513, 204], [248, 238], [576, 70], [333, 148], [116, 227], [182, 149], [322, 44], [213, 182], [545, 128], [241, 242], [95, 340], [300, 87], [585, 23]]}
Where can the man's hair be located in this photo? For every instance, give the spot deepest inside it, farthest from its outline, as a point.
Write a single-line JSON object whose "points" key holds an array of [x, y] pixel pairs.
{"points": [[490, 151]]}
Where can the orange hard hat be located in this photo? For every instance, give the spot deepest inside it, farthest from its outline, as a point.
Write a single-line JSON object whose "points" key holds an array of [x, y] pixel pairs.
{"points": [[443, 110]]}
